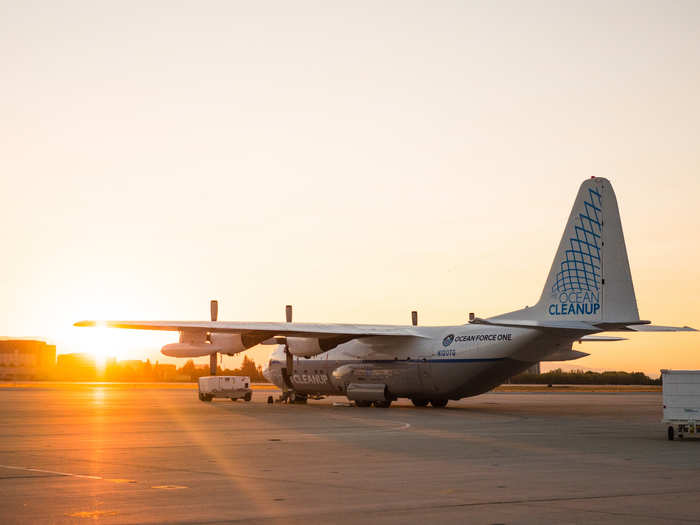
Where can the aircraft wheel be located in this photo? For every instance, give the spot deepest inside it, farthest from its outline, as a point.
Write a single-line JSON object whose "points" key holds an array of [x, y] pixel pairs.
{"points": [[438, 403], [363, 404], [300, 399], [234, 399], [248, 396], [670, 433], [420, 402], [382, 404], [206, 397]]}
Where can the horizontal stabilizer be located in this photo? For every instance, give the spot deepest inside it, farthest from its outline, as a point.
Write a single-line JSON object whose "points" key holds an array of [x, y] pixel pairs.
{"points": [[565, 355], [600, 338], [658, 328]]}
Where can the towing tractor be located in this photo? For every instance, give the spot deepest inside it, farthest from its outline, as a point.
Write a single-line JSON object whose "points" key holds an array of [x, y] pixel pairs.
{"points": [[681, 397], [233, 387]]}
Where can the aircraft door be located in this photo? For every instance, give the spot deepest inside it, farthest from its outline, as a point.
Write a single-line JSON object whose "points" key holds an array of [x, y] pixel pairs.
{"points": [[425, 375]]}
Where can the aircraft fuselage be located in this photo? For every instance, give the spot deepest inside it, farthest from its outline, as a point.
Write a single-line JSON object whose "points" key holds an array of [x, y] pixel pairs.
{"points": [[447, 363]]}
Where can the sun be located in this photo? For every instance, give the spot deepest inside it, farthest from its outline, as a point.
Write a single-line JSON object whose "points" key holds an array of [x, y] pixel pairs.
{"points": [[100, 342], [105, 345]]}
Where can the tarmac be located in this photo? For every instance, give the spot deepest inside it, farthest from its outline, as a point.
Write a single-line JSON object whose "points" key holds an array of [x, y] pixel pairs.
{"points": [[130, 453]]}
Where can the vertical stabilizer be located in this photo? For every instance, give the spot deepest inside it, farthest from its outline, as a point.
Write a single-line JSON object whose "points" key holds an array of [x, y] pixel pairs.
{"points": [[590, 278]]}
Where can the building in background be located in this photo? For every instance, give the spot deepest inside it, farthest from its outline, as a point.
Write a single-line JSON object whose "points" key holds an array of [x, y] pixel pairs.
{"points": [[76, 367], [26, 359]]}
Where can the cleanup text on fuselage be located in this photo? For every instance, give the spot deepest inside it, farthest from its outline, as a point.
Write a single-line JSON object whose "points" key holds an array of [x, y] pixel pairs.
{"points": [[576, 303]]}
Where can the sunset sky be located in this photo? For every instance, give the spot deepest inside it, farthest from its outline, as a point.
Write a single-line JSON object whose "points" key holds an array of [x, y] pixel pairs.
{"points": [[358, 160]]}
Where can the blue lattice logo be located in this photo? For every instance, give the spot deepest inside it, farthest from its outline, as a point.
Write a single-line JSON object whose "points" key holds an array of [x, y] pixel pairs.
{"points": [[579, 280], [580, 270]]}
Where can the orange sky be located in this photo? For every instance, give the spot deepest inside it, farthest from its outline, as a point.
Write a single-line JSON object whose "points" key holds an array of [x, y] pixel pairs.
{"points": [[357, 161]]}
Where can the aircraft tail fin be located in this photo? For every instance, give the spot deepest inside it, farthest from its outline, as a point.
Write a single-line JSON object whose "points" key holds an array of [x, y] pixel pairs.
{"points": [[590, 277]]}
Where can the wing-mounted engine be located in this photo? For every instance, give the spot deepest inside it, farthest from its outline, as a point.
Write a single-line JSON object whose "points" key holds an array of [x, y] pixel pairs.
{"points": [[196, 343], [311, 346], [193, 343]]}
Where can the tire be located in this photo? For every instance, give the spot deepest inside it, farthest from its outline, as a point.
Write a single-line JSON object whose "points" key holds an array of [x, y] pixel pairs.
{"points": [[300, 399], [248, 397], [438, 403], [208, 398], [201, 397], [382, 404], [234, 399], [670, 433], [363, 404], [420, 402]]}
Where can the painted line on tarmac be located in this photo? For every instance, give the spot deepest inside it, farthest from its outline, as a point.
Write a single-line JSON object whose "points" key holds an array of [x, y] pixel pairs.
{"points": [[84, 476]]}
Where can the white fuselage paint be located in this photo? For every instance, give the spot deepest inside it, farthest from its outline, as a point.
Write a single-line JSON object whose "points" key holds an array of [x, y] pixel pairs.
{"points": [[452, 362]]}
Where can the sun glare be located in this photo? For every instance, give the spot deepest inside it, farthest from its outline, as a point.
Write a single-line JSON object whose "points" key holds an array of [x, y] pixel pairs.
{"points": [[101, 342], [105, 345]]}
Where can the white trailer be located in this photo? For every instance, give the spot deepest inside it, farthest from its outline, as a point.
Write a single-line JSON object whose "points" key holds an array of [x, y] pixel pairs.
{"points": [[681, 398], [233, 387]]}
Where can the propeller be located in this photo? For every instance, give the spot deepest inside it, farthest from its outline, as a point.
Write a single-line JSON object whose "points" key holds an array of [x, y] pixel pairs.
{"points": [[280, 340], [214, 310], [288, 356]]}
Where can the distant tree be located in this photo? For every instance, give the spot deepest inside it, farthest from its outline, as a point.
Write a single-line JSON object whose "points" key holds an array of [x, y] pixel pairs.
{"points": [[578, 377], [188, 369]]}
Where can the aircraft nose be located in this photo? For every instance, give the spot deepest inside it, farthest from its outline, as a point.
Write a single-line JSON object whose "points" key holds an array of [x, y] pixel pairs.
{"points": [[266, 373]]}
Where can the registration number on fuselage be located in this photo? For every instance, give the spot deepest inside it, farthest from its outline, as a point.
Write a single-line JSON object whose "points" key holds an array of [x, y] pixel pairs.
{"points": [[448, 352]]}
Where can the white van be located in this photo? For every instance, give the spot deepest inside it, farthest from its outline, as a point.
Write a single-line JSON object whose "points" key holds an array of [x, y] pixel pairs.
{"points": [[233, 387], [681, 394]]}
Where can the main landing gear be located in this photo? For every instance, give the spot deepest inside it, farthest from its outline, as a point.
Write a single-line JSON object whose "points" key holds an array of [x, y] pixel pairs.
{"points": [[421, 402], [377, 404]]}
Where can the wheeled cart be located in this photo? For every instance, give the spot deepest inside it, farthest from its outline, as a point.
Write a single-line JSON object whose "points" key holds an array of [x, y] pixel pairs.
{"points": [[233, 387], [681, 401]]}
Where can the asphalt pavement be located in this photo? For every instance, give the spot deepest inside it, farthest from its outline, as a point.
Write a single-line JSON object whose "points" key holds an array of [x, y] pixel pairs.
{"points": [[134, 453]]}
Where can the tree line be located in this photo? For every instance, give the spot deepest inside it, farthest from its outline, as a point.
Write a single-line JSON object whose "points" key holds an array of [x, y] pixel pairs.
{"points": [[578, 377], [247, 368], [145, 371]]}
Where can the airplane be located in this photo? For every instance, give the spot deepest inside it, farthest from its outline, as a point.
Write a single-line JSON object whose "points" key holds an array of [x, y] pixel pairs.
{"points": [[588, 291]]}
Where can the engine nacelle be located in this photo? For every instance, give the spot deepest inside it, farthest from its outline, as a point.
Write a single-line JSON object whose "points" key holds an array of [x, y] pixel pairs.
{"points": [[310, 346], [304, 346], [230, 343], [187, 349], [197, 344]]}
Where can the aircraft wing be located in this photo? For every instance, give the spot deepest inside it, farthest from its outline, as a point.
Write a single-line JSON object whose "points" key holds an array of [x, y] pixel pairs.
{"points": [[268, 329]]}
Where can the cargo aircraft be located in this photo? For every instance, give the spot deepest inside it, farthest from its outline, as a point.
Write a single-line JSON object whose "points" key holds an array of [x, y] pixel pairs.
{"points": [[588, 291]]}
